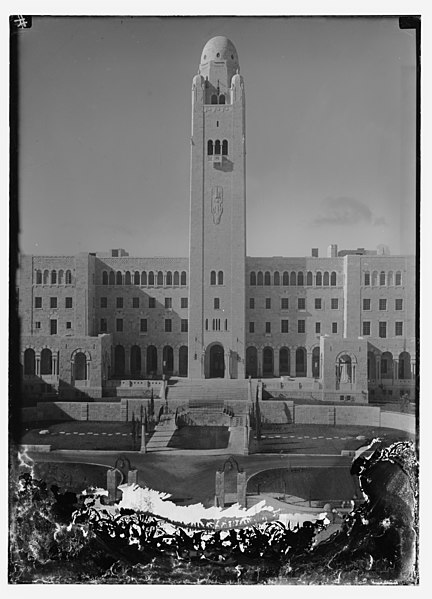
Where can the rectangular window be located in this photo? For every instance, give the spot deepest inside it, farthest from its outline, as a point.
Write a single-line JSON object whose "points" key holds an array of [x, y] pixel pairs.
{"points": [[398, 329], [168, 325], [119, 325], [251, 327], [53, 327], [184, 325], [168, 302], [382, 330], [143, 325], [318, 327], [216, 303], [382, 304], [367, 278], [104, 302], [119, 302], [53, 302], [252, 303], [68, 302], [318, 303], [183, 302], [334, 303], [135, 302], [103, 325], [37, 325], [152, 302], [284, 326], [301, 326], [366, 328], [398, 278], [301, 303], [68, 325], [268, 303], [268, 327], [38, 302], [399, 304], [334, 327], [366, 304], [284, 303]]}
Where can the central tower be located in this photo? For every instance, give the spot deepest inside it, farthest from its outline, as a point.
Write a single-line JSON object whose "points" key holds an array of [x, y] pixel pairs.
{"points": [[217, 216]]}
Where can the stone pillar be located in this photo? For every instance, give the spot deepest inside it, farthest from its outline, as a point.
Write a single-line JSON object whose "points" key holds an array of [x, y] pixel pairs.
{"points": [[292, 362], [227, 358], [378, 369], [37, 366], [127, 362], [308, 364], [220, 489], [112, 476], [395, 370], [260, 389], [276, 362], [241, 488], [176, 361], [132, 477], [413, 368], [246, 441], [54, 369], [250, 398], [159, 360]]}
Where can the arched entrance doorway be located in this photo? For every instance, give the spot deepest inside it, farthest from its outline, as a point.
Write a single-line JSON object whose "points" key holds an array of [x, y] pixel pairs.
{"points": [[268, 362], [217, 362], [252, 362]]}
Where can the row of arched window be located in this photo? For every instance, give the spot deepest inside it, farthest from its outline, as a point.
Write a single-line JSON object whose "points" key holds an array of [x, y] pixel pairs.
{"points": [[217, 147], [216, 279], [382, 278], [217, 99], [53, 277], [139, 366], [80, 369], [264, 365], [143, 278], [294, 278]]}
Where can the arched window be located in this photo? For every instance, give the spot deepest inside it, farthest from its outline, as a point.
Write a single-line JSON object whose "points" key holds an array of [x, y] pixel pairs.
{"points": [[225, 147], [46, 361], [293, 278], [60, 278], [285, 278], [260, 278], [344, 370], [374, 278], [252, 362], [382, 278], [252, 278], [119, 278], [169, 279], [222, 99], [183, 278], [404, 368], [366, 278], [151, 278], [398, 278], [104, 278], [136, 278], [217, 147], [176, 278], [210, 147], [267, 278], [213, 99], [390, 278], [220, 278], [68, 277], [300, 361], [387, 365], [318, 279], [183, 361], [326, 279], [160, 278], [333, 279], [119, 360], [276, 278], [135, 361], [151, 359], [53, 277], [128, 278], [300, 279], [112, 277], [268, 361], [144, 278], [309, 278], [29, 362], [213, 277], [45, 277], [80, 367], [168, 360], [284, 361], [38, 277]]}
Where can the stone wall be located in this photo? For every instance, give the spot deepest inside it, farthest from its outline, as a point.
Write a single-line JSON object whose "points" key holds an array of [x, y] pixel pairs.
{"points": [[403, 422], [314, 414], [357, 415]]}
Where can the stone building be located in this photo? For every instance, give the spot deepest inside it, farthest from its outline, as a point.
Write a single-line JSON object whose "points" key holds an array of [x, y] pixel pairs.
{"points": [[334, 327]]}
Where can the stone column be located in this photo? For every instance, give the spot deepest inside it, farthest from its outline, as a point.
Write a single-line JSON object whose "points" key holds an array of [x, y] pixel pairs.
{"points": [[308, 364], [395, 370], [220, 488], [378, 370], [276, 362], [159, 369], [292, 362], [241, 488], [413, 368], [227, 358], [176, 361], [112, 485], [127, 362], [37, 365]]}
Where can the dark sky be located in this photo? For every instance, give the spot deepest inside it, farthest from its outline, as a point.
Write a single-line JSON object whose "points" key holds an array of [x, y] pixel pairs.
{"points": [[105, 133]]}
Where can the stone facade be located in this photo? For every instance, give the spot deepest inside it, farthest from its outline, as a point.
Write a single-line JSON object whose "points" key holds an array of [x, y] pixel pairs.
{"points": [[340, 327]]}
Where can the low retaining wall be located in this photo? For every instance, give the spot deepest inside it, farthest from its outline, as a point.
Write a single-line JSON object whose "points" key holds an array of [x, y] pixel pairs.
{"points": [[357, 415], [403, 422], [314, 415]]}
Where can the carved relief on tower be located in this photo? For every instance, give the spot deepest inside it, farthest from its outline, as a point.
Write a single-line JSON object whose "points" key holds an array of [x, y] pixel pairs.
{"points": [[217, 203]]}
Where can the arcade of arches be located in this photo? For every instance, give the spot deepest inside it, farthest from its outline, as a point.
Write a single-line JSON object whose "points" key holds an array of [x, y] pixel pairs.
{"points": [[151, 361]]}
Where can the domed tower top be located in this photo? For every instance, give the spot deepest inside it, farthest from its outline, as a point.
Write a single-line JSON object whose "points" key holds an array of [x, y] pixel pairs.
{"points": [[219, 61]]}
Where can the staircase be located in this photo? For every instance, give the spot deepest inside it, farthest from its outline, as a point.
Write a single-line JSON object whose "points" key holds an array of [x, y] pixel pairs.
{"points": [[209, 390], [163, 433]]}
